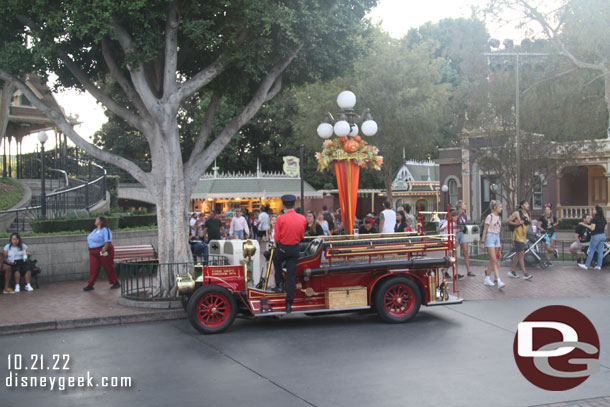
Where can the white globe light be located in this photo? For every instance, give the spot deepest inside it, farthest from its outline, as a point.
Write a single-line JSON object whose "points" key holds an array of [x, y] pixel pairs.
{"points": [[354, 131], [346, 100], [369, 128], [342, 128], [325, 130], [444, 188], [42, 137]]}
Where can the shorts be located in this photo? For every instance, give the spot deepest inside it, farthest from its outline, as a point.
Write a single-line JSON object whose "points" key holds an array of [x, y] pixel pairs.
{"points": [[20, 266], [262, 233], [553, 236], [574, 246], [461, 237], [518, 246], [492, 240], [240, 234]]}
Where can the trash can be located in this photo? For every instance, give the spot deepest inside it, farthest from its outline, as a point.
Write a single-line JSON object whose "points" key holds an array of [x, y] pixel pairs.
{"points": [[473, 237]]}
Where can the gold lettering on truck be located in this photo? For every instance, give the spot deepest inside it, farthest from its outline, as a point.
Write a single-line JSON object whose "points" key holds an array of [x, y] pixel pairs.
{"points": [[223, 272]]}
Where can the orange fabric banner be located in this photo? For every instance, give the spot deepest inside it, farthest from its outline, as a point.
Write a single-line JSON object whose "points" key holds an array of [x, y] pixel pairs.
{"points": [[348, 176]]}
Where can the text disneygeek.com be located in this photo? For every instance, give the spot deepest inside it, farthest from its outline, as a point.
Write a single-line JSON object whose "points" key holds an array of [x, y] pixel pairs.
{"points": [[20, 367]]}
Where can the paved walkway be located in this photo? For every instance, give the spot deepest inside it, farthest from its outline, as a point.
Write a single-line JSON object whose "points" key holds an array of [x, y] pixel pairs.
{"points": [[596, 402], [556, 281], [66, 305]]}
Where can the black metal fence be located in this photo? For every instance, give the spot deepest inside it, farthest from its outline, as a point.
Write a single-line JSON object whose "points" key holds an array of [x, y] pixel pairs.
{"points": [[89, 188], [140, 281]]}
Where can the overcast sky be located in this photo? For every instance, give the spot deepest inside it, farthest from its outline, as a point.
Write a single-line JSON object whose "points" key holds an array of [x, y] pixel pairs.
{"points": [[395, 16]]}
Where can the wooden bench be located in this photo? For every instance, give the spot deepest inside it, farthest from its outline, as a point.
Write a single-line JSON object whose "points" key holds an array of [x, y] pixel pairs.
{"points": [[136, 253]]}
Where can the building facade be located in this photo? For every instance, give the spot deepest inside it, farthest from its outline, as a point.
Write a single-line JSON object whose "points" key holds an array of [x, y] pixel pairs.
{"points": [[581, 182]]}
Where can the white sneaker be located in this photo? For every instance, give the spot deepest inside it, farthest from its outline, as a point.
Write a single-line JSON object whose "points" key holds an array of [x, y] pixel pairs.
{"points": [[500, 283], [28, 287], [512, 274], [583, 266], [17, 288], [597, 268], [488, 282]]}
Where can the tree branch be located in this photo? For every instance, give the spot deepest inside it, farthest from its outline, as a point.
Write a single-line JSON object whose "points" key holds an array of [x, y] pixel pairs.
{"points": [[171, 50], [63, 124], [138, 76], [197, 166], [559, 75], [118, 76], [205, 76], [206, 128], [551, 33], [129, 116]]}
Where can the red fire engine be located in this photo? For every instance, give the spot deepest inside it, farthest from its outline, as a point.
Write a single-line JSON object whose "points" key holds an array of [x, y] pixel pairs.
{"points": [[391, 274]]}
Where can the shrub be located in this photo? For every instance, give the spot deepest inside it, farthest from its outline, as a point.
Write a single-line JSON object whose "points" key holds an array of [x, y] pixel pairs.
{"points": [[61, 225], [112, 185], [137, 220]]}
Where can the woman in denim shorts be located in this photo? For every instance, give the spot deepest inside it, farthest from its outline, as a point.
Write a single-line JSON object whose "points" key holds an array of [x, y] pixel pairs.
{"points": [[460, 227], [491, 241]]}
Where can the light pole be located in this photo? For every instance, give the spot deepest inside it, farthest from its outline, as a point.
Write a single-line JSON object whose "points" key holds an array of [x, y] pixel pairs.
{"points": [[445, 190], [42, 138], [508, 45], [349, 152]]}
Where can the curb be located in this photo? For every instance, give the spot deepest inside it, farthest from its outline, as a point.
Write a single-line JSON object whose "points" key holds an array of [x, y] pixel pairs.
{"points": [[90, 322], [172, 304]]}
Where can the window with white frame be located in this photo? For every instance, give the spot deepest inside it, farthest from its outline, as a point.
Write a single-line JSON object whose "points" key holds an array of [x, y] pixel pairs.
{"points": [[537, 194], [453, 192]]}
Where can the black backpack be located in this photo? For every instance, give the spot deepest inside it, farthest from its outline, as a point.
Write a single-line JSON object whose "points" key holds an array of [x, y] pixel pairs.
{"points": [[512, 227]]}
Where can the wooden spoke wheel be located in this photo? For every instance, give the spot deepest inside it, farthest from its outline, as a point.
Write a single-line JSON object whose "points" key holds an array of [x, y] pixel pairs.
{"points": [[211, 309], [397, 300]]}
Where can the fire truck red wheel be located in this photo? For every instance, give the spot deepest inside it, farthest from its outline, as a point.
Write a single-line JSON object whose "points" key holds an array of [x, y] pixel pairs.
{"points": [[397, 300], [211, 309]]}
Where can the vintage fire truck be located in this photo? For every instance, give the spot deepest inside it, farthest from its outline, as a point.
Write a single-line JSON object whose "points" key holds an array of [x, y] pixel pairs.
{"points": [[391, 274]]}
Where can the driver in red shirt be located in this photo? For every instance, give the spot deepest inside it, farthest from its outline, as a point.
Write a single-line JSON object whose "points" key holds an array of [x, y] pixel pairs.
{"points": [[289, 231]]}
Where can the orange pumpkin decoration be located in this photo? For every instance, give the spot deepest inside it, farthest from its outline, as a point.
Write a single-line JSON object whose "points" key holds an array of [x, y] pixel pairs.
{"points": [[357, 138], [351, 146], [343, 139]]}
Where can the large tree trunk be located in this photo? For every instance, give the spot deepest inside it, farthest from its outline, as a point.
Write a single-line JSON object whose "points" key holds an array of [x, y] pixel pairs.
{"points": [[170, 192]]}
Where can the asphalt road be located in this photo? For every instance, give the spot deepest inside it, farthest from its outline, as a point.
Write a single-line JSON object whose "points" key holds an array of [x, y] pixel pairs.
{"points": [[447, 356]]}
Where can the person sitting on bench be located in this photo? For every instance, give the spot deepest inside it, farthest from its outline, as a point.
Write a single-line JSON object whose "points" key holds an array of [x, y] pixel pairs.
{"points": [[16, 258]]}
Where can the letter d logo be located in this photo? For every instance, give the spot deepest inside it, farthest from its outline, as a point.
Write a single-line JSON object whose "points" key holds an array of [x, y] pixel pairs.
{"points": [[556, 348]]}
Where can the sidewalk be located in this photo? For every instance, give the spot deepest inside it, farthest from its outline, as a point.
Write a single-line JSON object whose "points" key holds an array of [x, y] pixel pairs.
{"points": [[556, 281], [65, 305]]}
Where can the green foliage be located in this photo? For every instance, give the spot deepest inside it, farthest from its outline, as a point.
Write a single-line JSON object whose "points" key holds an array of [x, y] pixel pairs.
{"points": [[137, 221], [6, 235], [88, 224], [11, 193], [60, 225], [401, 84], [112, 186]]}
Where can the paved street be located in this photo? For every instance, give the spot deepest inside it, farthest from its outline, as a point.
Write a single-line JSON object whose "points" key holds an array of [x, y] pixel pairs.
{"points": [[448, 356]]}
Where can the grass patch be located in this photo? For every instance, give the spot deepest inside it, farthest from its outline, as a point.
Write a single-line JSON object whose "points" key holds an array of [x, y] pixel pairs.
{"points": [[11, 193]]}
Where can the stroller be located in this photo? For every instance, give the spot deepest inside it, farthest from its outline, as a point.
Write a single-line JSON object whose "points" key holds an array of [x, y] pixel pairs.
{"points": [[535, 251]]}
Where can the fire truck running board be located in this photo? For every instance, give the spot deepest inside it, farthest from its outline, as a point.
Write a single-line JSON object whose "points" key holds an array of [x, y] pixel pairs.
{"points": [[451, 301], [309, 311]]}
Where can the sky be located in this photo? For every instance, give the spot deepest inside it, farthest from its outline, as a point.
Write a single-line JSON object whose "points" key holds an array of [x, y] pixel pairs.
{"points": [[395, 17]]}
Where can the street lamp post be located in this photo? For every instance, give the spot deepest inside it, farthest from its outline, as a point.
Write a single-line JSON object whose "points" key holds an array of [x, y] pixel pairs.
{"points": [[516, 55], [353, 153], [445, 190], [42, 138]]}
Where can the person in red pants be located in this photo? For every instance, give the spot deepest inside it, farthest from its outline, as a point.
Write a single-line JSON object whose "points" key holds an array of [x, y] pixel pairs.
{"points": [[101, 252]]}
